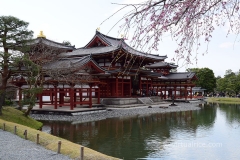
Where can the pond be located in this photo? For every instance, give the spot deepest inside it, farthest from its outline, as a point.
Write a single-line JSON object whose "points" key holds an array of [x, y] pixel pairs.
{"points": [[210, 133]]}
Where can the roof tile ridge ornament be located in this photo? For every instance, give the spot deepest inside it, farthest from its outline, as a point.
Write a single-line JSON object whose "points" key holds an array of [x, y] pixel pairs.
{"points": [[41, 35], [122, 41]]}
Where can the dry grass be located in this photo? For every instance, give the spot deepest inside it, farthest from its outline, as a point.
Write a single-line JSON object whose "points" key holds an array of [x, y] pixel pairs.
{"points": [[51, 142]]}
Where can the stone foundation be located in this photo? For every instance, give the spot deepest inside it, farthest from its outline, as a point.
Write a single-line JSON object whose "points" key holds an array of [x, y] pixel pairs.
{"points": [[126, 101]]}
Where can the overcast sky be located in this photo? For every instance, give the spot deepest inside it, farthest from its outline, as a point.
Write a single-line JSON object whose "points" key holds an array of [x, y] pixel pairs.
{"points": [[77, 20]]}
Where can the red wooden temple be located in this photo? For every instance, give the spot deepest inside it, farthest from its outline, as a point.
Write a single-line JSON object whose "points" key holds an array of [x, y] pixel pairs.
{"points": [[106, 67]]}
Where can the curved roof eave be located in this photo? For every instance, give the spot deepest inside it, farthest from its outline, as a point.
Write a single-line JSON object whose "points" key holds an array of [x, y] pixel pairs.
{"points": [[51, 43], [87, 51]]}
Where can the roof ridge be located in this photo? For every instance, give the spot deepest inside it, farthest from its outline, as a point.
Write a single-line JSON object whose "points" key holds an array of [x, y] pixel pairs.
{"points": [[108, 36], [41, 38]]}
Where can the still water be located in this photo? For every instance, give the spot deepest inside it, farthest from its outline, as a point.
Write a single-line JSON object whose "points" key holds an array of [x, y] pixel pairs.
{"points": [[210, 133]]}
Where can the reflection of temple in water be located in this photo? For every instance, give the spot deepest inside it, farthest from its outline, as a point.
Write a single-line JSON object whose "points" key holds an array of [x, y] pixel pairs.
{"points": [[156, 135], [122, 132]]}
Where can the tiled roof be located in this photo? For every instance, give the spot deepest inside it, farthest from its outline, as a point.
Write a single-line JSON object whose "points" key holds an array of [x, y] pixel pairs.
{"points": [[150, 73], [161, 64], [180, 76], [110, 40], [113, 45], [93, 51], [121, 43], [51, 43], [71, 63]]}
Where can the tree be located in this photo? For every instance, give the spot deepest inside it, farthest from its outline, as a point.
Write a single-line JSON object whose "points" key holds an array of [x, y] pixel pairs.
{"points": [[67, 43], [188, 22], [31, 73], [206, 78], [230, 84], [13, 36]]}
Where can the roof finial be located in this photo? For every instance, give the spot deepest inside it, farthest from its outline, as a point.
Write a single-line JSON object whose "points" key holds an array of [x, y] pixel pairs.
{"points": [[98, 29], [41, 35]]}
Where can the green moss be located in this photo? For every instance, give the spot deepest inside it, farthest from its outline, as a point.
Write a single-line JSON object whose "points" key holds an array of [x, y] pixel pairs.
{"points": [[13, 115]]}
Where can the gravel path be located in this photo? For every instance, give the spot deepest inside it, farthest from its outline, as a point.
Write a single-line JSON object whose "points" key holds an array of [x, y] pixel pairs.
{"points": [[117, 112], [14, 147]]}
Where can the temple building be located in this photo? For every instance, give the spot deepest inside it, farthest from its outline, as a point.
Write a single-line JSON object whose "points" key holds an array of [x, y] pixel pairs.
{"points": [[106, 67]]}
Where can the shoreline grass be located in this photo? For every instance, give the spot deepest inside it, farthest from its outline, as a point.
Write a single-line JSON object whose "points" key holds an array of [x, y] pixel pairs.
{"points": [[229, 100], [46, 140]]}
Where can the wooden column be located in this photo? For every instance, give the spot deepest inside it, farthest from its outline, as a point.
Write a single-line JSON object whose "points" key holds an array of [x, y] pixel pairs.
{"points": [[180, 90], [40, 100], [185, 92], [61, 97], [130, 84], [175, 92], [90, 96], [19, 96], [107, 88], [165, 95], [147, 88], [74, 98], [122, 86], [55, 96], [98, 101], [116, 92], [52, 95], [191, 93], [80, 94], [140, 85], [71, 95]]}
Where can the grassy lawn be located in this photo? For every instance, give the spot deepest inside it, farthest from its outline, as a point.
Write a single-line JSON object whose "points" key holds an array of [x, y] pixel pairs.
{"points": [[13, 115], [14, 118], [224, 100]]}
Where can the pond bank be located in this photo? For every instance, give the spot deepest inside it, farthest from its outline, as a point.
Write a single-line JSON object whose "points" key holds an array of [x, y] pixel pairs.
{"points": [[230, 100], [120, 112]]}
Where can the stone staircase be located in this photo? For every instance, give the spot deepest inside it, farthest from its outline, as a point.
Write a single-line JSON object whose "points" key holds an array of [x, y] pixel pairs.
{"points": [[145, 100]]}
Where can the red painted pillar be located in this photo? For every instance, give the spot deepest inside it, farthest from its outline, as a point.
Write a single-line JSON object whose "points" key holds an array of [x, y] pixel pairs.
{"points": [[90, 96], [191, 93], [116, 86], [180, 91], [55, 96], [175, 91], [40, 100], [80, 95], [185, 92], [71, 94], [106, 93], [98, 101], [51, 95], [61, 97], [146, 87], [19, 96], [130, 84], [140, 85], [74, 98], [122, 86], [165, 95]]}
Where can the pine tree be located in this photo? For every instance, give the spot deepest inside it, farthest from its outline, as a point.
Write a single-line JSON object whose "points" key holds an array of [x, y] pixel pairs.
{"points": [[14, 35]]}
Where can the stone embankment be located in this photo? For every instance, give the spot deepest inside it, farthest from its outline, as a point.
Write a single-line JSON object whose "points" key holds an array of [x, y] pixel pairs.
{"points": [[119, 112]]}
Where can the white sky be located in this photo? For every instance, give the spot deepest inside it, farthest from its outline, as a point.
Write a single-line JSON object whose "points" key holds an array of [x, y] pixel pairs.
{"points": [[77, 20]]}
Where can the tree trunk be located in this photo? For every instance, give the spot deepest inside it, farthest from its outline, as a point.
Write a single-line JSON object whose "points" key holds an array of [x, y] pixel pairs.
{"points": [[2, 100], [28, 111]]}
